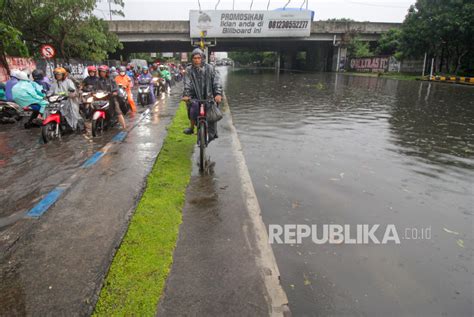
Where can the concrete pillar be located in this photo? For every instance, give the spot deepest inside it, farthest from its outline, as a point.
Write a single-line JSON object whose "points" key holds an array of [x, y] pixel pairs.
{"points": [[278, 62], [289, 60], [311, 59]]}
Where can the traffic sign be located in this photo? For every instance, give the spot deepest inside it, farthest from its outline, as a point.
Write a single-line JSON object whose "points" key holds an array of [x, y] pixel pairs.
{"points": [[47, 51]]}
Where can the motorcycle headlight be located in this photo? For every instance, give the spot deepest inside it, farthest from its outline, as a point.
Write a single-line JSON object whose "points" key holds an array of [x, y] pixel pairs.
{"points": [[100, 95], [53, 98], [90, 99]]}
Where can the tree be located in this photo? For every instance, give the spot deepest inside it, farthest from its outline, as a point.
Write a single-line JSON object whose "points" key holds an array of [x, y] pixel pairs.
{"points": [[358, 48], [69, 25], [442, 28], [389, 43], [10, 40]]}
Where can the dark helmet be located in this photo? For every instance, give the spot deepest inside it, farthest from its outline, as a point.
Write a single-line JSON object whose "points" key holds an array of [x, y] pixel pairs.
{"points": [[68, 68], [37, 74]]}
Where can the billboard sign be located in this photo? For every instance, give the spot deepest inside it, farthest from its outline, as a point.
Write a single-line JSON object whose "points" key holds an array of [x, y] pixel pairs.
{"points": [[244, 24]]}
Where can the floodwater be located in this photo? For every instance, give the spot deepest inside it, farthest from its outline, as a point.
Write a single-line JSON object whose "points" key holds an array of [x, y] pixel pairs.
{"points": [[30, 169], [335, 149]]}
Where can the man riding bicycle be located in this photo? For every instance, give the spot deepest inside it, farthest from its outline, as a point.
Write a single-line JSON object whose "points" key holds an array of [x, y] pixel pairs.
{"points": [[201, 82]]}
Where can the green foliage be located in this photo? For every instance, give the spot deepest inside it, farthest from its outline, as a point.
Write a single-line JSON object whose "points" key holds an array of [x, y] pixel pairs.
{"points": [[10, 39], [139, 270], [249, 58], [358, 48], [69, 25], [389, 43], [441, 28]]}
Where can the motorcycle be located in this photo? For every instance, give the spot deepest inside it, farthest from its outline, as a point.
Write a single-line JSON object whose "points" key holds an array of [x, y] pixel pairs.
{"points": [[86, 104], [177, 77], [156, 86], [10, 112], [55, 124], [164, 86], [123, 99], [144, 91], [101, 115]]}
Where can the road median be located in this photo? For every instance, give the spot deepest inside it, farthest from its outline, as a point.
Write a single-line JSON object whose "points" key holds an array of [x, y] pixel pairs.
{"points": [[138, 272]]}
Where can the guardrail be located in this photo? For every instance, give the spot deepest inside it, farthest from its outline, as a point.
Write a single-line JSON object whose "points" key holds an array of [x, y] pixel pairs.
{"points": [[451, 79]]}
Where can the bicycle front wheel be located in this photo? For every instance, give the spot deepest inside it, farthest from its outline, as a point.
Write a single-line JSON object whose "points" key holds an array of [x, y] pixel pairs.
{"points": [[202, 147]]}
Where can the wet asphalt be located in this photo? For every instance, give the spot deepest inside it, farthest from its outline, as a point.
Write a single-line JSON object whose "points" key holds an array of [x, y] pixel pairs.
{"points": [[55, 265]]}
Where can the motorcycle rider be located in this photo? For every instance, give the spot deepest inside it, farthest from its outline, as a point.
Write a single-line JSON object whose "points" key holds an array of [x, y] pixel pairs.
{"points": [[2, 92], [201, 82], [11, 83], [113, 72], [106, 83], [28, 94], [68, 69], [64, 85], [38, 77], [131, 74], [146, 75], [89, 83], [164, 73], [126, 82]]}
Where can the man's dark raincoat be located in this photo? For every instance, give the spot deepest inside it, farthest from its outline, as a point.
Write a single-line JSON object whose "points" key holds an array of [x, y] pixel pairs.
{"points": [[202, 83]]}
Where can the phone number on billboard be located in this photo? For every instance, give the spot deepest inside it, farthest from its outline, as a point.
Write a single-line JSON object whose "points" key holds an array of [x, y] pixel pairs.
{"points": [[288, 24]]}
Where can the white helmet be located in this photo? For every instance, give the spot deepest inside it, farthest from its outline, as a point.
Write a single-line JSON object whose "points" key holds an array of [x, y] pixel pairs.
{"points": [[21, 76], [15, 73]]}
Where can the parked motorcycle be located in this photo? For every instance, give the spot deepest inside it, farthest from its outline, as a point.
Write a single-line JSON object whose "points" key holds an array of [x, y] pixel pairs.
{"points": [[144, 91], [10, 112]]}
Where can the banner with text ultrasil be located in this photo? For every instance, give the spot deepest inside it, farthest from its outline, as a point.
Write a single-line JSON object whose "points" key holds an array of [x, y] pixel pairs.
{"points": [[220, 23]]}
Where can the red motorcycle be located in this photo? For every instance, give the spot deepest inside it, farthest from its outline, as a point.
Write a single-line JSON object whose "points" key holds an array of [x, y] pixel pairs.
{"points": [[55, 124], [101, 114]]}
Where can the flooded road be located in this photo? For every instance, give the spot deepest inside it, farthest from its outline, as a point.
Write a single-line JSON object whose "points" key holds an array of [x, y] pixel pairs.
{"points": [[336, 149], [29, 169]]}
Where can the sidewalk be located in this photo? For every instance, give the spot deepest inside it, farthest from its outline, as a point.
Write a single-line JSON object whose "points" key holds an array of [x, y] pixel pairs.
{"points": [[223, 265], [57, 267]]}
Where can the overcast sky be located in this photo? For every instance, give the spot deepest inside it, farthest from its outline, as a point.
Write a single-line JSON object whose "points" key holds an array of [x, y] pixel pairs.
{"points": [[359, 10]]}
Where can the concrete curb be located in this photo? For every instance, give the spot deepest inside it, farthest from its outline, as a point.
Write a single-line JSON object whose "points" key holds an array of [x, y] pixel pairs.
{"points": [[276, 296]]}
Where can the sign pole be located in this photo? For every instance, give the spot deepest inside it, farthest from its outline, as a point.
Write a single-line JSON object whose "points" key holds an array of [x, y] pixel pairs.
{"points": [[424, 67]]}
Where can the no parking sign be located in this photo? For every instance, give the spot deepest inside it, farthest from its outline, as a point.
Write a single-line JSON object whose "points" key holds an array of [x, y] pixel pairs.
{"points": [[47, 51]]}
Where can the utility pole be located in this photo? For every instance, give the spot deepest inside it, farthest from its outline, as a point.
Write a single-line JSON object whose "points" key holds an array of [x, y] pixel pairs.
{"points": [[110, 10], [233, 5], [424, 66], [307, 4]]}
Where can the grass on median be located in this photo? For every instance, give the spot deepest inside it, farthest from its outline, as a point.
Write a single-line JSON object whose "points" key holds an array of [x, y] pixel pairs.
{"points": [[139, 270]]}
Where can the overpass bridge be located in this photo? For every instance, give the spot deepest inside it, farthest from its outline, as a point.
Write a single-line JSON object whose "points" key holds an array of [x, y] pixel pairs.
{"points": [[322, 47]]}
